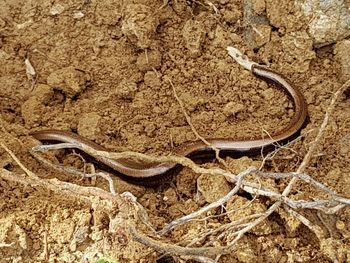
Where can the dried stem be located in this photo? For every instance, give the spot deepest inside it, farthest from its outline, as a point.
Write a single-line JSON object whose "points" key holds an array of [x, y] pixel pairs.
{"points": [[331, 205], [72, 190], [339, 202]]}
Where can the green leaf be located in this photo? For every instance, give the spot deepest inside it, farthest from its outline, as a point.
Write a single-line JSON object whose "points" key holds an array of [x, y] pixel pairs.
{"points": [[106, 260]]}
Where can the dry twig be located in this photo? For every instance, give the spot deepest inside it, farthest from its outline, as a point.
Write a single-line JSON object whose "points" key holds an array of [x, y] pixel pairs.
{"points": [[72, 190], [198, 136], [335, 200], [331, 205]]}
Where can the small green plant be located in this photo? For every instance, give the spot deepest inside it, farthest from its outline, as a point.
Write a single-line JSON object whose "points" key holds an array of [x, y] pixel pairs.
{"points": [[106, 260]]}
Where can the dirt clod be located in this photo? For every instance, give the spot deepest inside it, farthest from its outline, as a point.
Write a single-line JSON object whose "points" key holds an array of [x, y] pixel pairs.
{"points": [[69, 80], [212, 187], [149, 60], [140, 24]]}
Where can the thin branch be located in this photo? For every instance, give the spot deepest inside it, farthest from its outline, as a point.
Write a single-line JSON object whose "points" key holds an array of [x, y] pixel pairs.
{"points": [[215, 204], [69, 170], [199, 137], [55, 185], [174, 249]]}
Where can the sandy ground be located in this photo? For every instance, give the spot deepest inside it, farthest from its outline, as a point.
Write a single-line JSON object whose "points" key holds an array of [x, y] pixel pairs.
{"points": [[104, 70]]}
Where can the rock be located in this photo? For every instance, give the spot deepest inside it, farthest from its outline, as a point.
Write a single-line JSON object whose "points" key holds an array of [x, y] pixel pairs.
{"points": [[329, 20]]}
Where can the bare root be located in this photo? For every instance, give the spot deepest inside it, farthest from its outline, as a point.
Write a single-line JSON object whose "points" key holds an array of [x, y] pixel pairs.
{"points": [[236, 229]]}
